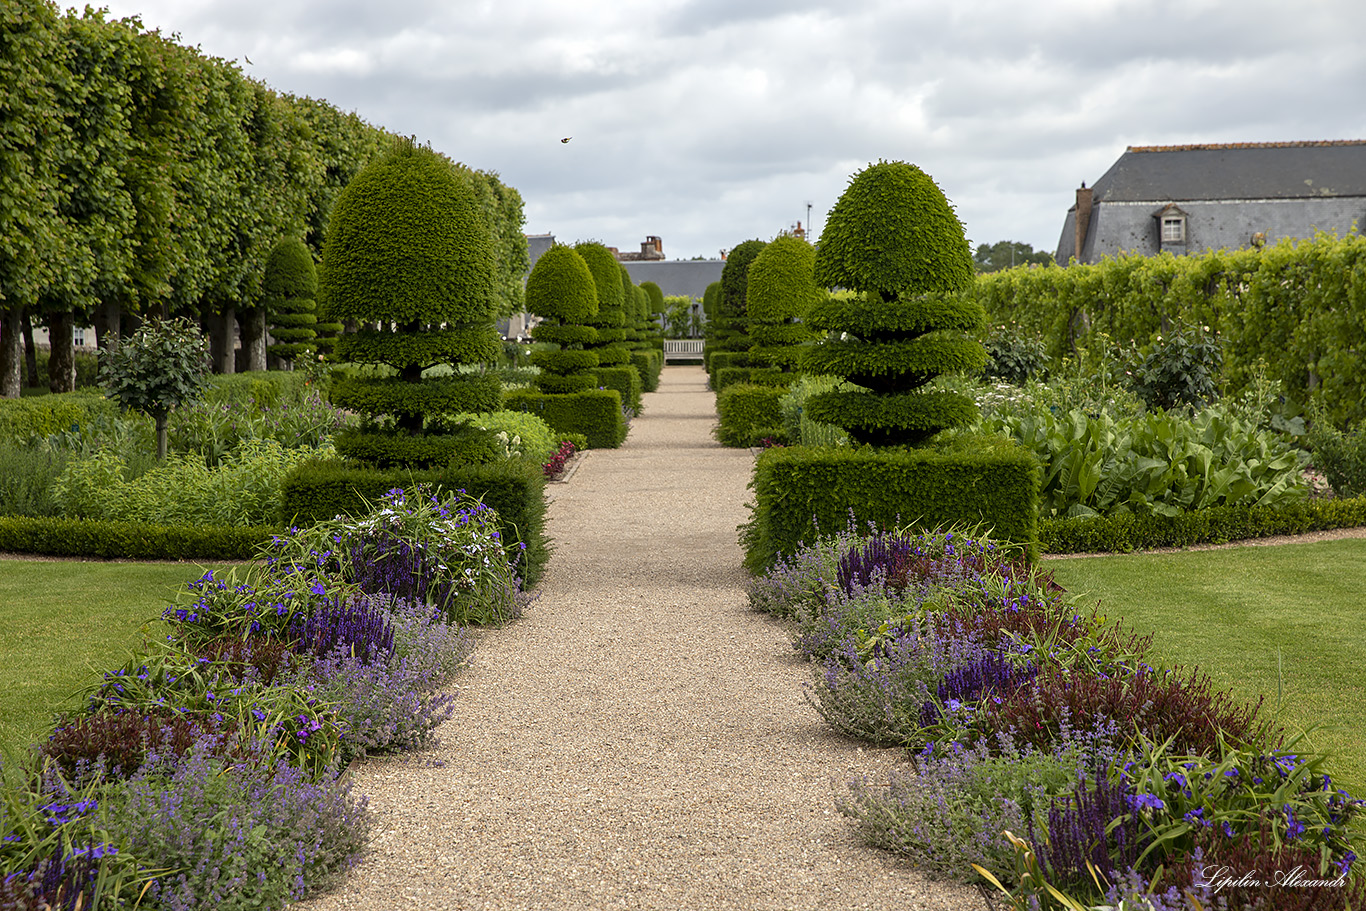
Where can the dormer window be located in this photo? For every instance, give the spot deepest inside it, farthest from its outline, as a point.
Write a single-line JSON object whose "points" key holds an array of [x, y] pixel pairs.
{"points": [[1171, 227]]}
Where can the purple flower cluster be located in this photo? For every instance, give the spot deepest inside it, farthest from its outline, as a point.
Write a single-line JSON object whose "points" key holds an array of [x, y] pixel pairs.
{"points": [[361, 630], [236, 835], [873, 562], [991, 676]]}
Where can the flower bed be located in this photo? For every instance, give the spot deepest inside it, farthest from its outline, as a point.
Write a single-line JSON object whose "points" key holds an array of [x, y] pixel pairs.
{"points": [[1045, 748], [205, 773]]}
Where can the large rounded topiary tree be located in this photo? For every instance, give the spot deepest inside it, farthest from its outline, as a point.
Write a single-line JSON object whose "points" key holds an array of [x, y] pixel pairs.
{"points": [[781, 289], [409, 256], [561, 291], [288, 290], [894, 241]]}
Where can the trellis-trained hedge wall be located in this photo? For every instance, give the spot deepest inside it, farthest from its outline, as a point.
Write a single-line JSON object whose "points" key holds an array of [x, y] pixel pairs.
{"points": [[1300, 306]]}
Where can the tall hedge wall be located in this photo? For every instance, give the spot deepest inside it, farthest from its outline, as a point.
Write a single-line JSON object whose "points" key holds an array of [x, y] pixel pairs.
{"points": [[1300, 306]]}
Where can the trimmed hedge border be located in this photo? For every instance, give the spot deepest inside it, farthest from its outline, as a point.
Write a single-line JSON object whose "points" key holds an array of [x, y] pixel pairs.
{"points": [[61, 537], [1219, 525], [802, 493], [318, 491]]}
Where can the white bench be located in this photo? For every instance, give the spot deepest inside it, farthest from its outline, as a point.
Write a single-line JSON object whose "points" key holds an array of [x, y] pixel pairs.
{"points": [[684, 349]]}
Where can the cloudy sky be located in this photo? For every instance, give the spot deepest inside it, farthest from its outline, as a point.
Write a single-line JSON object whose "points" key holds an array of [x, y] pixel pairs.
{"points": [[709, 122]]}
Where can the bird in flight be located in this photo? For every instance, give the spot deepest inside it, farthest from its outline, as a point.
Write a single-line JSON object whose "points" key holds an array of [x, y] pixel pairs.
{"points": [[247, 59], [566, 139]]}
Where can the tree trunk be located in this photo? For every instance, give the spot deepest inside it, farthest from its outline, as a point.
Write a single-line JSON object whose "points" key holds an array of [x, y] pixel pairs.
{"points": [[30, 351], [61, 361], [223, 339], [161, 436], [11, 352], [107, 317], [253, 323]]}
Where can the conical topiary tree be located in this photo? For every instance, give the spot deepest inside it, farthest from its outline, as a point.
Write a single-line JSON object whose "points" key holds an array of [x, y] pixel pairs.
{"points": [[561, 291], [781, 289], [893, 239], [409, 256], [289, 288]]}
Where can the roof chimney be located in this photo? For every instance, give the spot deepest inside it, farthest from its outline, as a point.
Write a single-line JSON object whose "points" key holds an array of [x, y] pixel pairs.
{"points": [[1083, 219]]}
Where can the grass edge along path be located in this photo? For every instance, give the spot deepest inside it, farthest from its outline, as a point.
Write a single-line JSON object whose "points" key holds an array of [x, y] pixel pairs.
{"points": [[63, 624], [1286, 622]]}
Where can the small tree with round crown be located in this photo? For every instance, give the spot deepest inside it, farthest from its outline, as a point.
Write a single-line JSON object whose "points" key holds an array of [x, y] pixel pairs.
{"points": [[894, 241], [561, 291], [409, 256]]}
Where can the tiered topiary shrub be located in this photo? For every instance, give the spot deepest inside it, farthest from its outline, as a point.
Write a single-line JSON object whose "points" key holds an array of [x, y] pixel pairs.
{"points": [[289, 288], [781, 290], [895, 247], [728, 339], [895, 242], [614, 369], [562, 291], [409, 257]]}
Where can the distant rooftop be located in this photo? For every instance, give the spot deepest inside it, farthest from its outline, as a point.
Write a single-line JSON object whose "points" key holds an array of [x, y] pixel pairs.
{"points": [[1236, 170]]}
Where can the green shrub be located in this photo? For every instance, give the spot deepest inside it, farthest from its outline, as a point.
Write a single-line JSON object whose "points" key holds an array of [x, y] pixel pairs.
{"points": [[974, 482], [797, 424], [891, 233], [321, 490], [1181, 369], [561, 290], [649, 364], [610, 320], [730, 376], [894, 240], [30, 420], [1014, 357], [27, 477], [1217, 525], [244, 490], [716, 361], [595, 414], [1341, 457], [625, 380], [62, 537], [749, 414], [529, 436], [727, 324]]}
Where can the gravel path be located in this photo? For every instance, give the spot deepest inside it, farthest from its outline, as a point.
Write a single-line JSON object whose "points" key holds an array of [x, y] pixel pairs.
{"points": [[639, 738]]}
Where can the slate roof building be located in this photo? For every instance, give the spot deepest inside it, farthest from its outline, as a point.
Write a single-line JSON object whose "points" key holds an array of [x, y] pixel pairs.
{"points": [[1193, 198]]}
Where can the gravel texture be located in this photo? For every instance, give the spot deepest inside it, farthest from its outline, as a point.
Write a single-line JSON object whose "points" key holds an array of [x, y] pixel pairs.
{"points": [[639, 739]]}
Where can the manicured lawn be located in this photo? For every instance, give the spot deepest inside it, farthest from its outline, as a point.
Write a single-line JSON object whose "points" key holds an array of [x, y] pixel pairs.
{"points": [[1287, 620], [63, 624]]}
